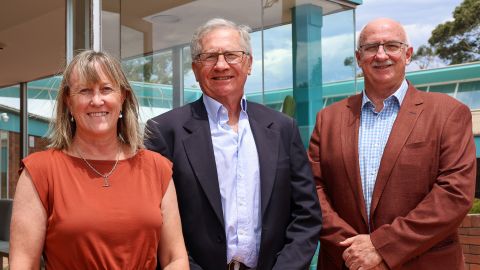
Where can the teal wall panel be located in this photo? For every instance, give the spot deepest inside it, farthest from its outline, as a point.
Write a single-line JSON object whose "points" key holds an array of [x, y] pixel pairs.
{"points": [[307, 23]]}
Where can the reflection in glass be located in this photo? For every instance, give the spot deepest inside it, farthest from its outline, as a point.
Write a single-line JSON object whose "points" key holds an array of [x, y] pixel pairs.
{"points": [[151, 31], [469, 94], [338, 47], [9, 138], [444, 88]]}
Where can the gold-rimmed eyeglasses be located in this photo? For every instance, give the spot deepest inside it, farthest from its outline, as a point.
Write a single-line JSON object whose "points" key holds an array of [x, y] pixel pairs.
{"points": [[211, 58], [389, 47]]}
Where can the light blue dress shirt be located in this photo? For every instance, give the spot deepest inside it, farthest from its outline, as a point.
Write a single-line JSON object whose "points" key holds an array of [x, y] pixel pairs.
{"points": [[375, 128], [238, 173]]}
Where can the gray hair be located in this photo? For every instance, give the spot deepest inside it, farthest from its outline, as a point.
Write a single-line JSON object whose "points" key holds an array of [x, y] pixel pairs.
{"points": [[217, 23], [62, 130]]}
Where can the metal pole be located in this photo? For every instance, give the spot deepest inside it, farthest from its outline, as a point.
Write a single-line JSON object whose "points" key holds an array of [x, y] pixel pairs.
{"points": [[177, 78], [23, 121], [69, 33], [97, 25]]}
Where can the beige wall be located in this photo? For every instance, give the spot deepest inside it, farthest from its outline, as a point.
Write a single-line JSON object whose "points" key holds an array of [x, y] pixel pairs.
{"points": [[476, 122]]}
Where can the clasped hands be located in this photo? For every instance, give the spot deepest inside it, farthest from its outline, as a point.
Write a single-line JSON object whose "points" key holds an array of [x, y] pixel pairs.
{"points": [[361, 254]]}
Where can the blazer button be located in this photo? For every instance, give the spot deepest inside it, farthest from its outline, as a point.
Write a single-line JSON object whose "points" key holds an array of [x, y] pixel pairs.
{"points": [[219, 239]]}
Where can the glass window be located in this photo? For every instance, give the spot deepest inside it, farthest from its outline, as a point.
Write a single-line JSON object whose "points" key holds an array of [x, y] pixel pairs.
{"points": [[191, 90], [41, 96], [151, 34], [444, 88], [9, 138], [469, 93], [4, 185], [338, 46], [81, 25], [330, 100]]}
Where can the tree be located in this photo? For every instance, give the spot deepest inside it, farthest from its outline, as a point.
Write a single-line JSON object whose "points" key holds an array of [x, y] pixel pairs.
{"points": [[155, 68], [350, 62], [458, 41], [424, 56]]}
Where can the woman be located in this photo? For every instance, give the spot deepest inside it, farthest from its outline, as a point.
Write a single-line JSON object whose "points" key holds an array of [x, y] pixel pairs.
{"points": [[96, 199]]}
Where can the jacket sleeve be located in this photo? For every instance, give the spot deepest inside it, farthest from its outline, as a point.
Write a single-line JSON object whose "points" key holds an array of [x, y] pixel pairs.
{"points": [[440, 212], [334, 229], [155, 141], [306, 222]]}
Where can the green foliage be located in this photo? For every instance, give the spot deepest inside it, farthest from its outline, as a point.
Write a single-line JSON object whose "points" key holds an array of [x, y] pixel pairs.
{"points": [[458, 41], [476, 207], [156, 68], [349, 62], [288, 106], [424, 56]]}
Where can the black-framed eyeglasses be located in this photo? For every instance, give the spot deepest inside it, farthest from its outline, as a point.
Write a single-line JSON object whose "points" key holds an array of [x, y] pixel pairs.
{"points": [[231, 57], [389, 47]]}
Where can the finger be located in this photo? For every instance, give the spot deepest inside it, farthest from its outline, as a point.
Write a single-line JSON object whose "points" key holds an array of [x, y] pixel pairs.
{"points": [[348, 264], [347, 242], [353, 266]]}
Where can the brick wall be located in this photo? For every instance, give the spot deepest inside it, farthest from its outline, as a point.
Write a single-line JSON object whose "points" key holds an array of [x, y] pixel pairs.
{"points": [[469, 232], [14, 158]]}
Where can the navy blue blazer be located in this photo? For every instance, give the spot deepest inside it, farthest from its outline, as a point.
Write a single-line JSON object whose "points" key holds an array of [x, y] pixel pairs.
{"points": [[291, 216]]}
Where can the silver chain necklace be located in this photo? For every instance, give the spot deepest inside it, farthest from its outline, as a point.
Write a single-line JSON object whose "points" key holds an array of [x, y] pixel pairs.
{"points": [[103, 175]]}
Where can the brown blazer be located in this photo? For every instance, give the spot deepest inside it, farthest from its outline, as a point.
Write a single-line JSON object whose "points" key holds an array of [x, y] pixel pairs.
{"points": [[424, 188]]}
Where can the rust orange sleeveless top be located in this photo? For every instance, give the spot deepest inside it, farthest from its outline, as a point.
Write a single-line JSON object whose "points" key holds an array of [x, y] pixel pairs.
{"points": [[94, 227]]}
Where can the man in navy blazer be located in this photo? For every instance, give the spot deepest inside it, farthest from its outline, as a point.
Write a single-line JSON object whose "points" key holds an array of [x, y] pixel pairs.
{"points": [[245, 190]]}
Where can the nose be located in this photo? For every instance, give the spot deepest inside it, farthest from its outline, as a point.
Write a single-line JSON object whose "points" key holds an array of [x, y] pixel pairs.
{"points": [[221, 63], [97, 98], [381, 53]]}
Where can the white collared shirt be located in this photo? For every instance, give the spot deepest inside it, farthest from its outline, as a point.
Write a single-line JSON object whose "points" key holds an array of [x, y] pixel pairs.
{"points": [[238, 173]]}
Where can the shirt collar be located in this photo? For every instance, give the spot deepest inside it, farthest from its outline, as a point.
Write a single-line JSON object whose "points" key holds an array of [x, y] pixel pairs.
{"points": [[214, 107], [399, 94]]}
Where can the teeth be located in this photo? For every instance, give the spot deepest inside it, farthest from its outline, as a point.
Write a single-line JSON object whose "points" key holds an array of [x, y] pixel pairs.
{"points": [[96, 114], [222, 78]]}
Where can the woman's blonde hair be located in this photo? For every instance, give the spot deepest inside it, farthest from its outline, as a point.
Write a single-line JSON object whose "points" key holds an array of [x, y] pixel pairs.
{"points": [[62, 129]]}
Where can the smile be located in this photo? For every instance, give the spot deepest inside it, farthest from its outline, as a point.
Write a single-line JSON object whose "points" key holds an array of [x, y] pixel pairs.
{"points": [[222, 78], [97, 114], [382, 66]]}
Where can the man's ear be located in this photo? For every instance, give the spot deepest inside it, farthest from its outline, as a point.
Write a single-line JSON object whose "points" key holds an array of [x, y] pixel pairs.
{"points": [[194, 69], [358, 56], [408, 55]]}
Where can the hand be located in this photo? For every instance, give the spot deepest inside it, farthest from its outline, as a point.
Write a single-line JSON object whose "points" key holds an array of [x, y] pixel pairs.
{"points": [[360, 253], [381, 266]]}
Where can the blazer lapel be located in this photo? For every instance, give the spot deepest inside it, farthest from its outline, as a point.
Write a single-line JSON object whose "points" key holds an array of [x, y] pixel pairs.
{"points": [[267, 143], [199, 149], [349, 136], [410, 110]]}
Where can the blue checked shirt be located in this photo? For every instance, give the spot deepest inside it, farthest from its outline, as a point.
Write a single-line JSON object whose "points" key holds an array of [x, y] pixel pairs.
{"points": [[238, 171], [375, 128]]}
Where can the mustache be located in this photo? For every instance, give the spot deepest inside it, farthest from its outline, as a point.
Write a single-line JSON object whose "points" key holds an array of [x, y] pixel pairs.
{"points": [[383, 63]]}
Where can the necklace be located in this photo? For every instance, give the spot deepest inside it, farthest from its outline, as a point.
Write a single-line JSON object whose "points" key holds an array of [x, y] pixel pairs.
{"points": [[103, 175]]}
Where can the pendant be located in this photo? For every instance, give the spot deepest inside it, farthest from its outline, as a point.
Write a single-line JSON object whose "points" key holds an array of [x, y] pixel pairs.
{"points": [[105, 182]]}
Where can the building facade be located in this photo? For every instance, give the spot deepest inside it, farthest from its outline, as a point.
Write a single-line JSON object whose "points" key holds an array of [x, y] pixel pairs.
{"points": [[304, 49]]}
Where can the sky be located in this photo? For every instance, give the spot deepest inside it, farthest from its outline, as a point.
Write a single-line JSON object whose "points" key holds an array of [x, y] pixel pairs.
{"points": [[419, 17]]}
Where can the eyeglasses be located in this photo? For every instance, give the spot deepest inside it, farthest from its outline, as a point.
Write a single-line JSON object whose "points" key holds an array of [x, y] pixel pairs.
{"points": [[231, 57], [389, 47]]}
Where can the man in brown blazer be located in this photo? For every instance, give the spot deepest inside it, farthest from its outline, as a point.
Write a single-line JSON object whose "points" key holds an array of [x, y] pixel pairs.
{"points": [[394, 166]]}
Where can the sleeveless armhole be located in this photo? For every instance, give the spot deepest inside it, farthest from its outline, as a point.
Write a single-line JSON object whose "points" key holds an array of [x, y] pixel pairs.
{"points": [[37, 166], [164, 166]]}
